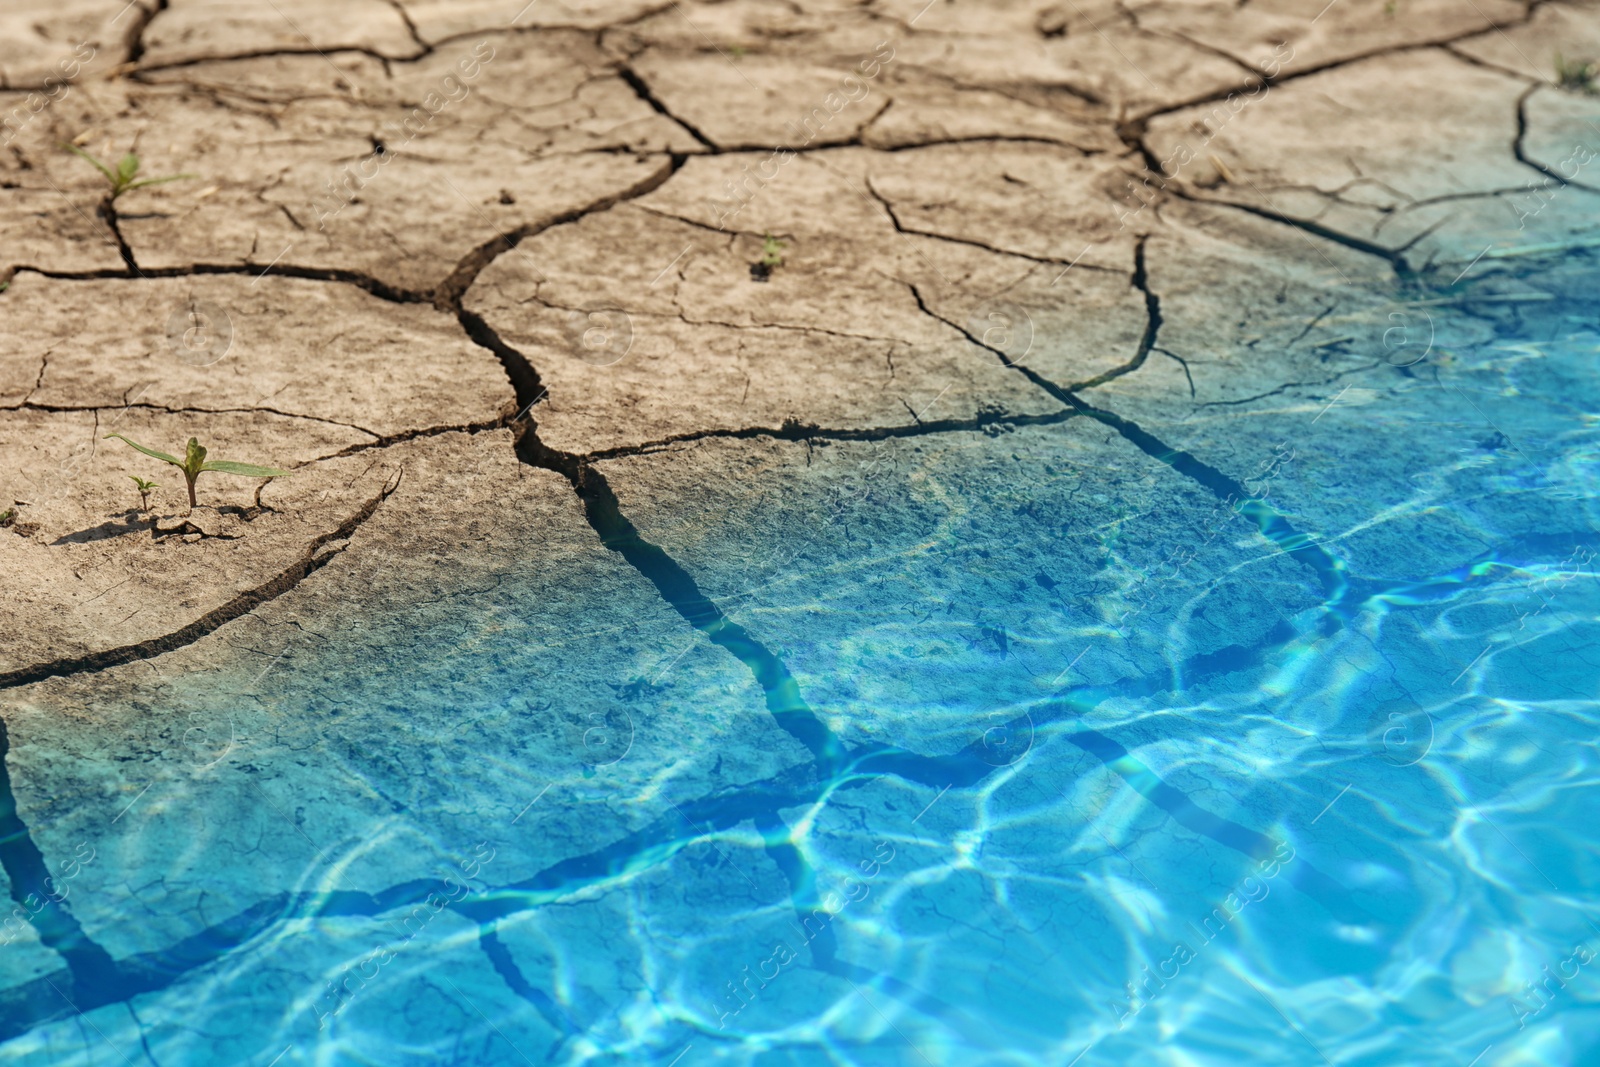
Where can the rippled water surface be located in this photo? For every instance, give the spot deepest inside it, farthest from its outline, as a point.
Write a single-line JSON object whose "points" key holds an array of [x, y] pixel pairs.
{"points": [[1027, 748]]}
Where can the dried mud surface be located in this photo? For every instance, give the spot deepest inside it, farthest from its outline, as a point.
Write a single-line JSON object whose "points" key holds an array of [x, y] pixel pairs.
{"points": [[489, 283]]}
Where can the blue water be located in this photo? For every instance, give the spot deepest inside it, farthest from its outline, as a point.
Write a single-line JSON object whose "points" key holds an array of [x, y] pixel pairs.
{"points": [[1021, 746]]}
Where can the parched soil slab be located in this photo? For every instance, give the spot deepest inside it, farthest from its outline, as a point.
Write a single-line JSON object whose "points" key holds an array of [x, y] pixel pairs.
{"points": [[1042, 202], [762, 100], [91, 571], [740, 28], [45, 49], [555, 92], [49, 217], [1529, 47], [1291, 36], [750, 73], [473, 637], [830, 339], [331, 163], [1445, 204], [916, 586], [923, 110], [895, 317], [410, 226], [1097, 52], [316, 350], [190, 30], [271, 371], [1072, 326], [437, 20]]}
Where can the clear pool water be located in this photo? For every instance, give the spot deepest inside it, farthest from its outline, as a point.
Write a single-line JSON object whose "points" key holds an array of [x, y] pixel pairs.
{"points": [[1306, 778]]}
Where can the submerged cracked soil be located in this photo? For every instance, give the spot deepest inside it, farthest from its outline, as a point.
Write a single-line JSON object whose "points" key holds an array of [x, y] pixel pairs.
{"points": [[553, 438]]}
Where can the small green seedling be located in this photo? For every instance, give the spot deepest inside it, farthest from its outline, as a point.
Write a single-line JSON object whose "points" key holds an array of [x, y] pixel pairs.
{"points": [[125, 178], [193, 464], [771, 251], [771, 258], [8, 516], [1578, 74], [144, 491]]}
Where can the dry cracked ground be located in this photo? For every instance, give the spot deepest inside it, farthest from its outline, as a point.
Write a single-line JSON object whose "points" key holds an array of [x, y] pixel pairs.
{"points": [[691, 410]]}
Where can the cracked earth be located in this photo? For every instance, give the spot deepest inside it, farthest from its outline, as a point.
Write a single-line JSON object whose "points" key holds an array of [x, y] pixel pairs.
{"points": [[1057, 286]]}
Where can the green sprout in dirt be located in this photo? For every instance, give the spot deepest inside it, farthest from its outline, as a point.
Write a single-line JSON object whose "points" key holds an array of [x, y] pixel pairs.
{"points": [[194, 463], [125, 178], [8, 516], [144, 491], [1578, 74], [771, 258], [771, 251]]}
